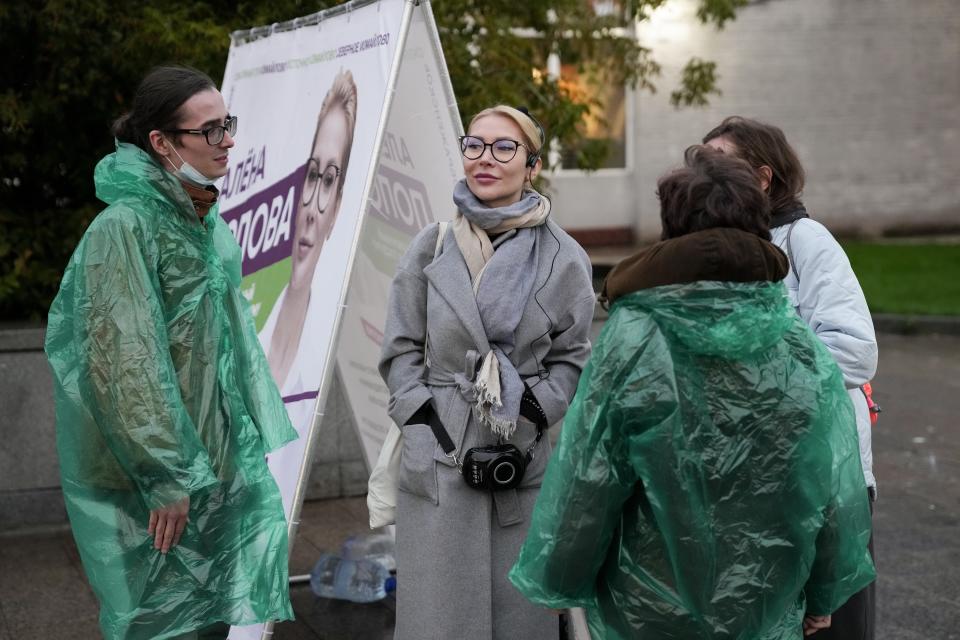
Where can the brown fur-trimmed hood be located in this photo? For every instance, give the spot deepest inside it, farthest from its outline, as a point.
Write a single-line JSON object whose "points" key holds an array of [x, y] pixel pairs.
{"points": [[721, 254]]}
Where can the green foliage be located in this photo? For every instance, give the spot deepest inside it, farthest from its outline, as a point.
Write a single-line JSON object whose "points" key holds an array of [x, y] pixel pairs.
{"points": [[719, 11], [898, 277], [699, 81], [71, 66], [491, 61]]}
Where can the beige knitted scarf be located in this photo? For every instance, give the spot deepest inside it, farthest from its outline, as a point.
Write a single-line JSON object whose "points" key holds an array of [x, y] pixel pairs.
{"points": [[477, 249]]}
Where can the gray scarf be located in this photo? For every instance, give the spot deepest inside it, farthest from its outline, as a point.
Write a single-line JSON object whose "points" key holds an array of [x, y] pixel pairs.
{"points": [[502, 283]]}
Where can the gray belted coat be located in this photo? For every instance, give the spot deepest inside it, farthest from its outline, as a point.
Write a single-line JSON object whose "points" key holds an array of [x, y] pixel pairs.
{"points": [[455, 544]]}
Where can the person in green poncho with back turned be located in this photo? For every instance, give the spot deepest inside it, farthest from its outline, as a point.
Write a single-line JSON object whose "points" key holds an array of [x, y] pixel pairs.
{"points": [[707, 484], [165, 404]]}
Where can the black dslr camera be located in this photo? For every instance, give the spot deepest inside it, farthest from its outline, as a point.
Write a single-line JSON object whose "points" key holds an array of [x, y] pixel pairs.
{"points": [[500, 466], [494, 468]]}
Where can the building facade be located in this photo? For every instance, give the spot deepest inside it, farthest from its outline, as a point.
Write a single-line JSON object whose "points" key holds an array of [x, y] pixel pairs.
{"points": [[867, 91]]}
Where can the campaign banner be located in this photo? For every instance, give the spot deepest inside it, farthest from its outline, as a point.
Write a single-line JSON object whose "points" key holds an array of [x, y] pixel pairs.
{"points": [[310, 104], [419, 164]]}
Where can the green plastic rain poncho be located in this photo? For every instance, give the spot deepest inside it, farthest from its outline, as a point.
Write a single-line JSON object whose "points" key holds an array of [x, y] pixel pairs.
{"points": [[163, 391], [707, 482]]}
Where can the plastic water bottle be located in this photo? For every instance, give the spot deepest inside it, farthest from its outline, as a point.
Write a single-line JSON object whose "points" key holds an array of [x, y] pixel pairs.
{"points": [[378, 547], [354, 580]]}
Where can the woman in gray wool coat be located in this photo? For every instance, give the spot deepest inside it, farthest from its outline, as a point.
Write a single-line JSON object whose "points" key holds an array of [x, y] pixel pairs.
{"points": [[486, 334]]}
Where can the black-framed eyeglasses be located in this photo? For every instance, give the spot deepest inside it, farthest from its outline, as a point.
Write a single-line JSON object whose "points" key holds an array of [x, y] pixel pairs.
{"points": [[503, 150], [213, 135], [319, 182]]}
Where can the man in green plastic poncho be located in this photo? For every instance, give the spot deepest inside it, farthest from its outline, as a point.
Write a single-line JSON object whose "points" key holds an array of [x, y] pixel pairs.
{"points": [[707, 482], [165, 404]]}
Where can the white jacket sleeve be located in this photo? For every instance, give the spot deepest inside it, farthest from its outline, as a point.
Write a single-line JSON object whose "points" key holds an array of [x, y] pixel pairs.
{"points": [[829, 299]]}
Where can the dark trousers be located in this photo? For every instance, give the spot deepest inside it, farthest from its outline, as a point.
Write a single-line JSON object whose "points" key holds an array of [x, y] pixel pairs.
{"points": [[855, 619]]}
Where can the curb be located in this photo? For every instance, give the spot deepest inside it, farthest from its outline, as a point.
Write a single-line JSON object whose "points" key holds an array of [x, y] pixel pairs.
{"points": [[31, 338], [22, 338], [909, 325]]}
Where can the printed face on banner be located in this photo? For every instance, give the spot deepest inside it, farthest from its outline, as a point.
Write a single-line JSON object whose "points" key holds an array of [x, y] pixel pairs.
{"points": [[322, 186], [317, 210]]}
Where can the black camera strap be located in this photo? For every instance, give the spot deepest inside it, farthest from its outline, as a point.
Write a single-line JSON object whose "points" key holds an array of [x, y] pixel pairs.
{"points": [[528, 402], [440, 433], [450, 449], [528, 454]]}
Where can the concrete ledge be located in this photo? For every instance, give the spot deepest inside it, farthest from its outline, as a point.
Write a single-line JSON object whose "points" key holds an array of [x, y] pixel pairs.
{"points": [[31, 508], [30, 496], [916, 325], [14, 339]]}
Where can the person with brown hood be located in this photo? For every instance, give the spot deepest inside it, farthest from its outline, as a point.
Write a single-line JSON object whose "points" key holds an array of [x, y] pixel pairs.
{"points": [[707, 482]]}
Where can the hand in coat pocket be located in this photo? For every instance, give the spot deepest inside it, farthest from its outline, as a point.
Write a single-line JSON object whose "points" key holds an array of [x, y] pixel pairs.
{"points": [[418, 470]]}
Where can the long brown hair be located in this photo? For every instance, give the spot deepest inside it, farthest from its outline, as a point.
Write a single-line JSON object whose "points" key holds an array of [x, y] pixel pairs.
{"points": [[762, 144], [158, 104]]}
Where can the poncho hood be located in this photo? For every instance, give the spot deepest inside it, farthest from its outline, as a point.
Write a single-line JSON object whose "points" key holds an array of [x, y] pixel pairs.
{"points": [[130, 172], [728, 319], [718, 292]]}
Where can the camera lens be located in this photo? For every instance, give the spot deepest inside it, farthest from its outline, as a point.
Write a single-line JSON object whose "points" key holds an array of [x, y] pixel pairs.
{"points": [[504, 473]]}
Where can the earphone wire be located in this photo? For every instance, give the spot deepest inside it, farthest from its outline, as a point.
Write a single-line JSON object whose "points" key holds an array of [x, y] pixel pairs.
{"points": [[542, 372]]}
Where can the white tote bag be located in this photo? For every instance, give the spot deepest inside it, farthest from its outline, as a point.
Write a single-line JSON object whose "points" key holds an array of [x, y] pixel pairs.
{"points": [[382, 485]]}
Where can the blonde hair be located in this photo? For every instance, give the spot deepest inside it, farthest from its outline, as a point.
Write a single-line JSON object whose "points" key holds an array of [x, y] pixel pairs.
{"points": [[342, 95], [531, 132]]}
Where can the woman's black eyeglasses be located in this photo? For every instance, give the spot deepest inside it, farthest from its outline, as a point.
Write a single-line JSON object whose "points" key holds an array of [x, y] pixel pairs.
{"points": [[213, 135], [503, 150]]}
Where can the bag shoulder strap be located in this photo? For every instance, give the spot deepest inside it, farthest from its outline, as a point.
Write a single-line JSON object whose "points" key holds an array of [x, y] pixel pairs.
{"points": [[793, 263], [439, 432], [441, 232]]}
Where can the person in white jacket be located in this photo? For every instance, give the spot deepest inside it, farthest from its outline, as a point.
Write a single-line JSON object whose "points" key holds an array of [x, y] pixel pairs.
{"points": [[825, 292]]}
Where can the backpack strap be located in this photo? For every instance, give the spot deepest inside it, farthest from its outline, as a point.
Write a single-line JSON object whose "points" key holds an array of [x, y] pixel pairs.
{"points": [[790, 216]]}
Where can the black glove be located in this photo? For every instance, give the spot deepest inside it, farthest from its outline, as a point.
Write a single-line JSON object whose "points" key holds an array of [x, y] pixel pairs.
{"points": [[421, 415], [530, 408], [426, 414]]}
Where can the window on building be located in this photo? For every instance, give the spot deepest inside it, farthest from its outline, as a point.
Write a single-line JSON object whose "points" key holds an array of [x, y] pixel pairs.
{"points": [[604, 140], [605, 127]]}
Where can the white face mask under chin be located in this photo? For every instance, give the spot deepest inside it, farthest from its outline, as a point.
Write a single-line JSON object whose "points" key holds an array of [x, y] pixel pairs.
{"points": [[188, 173]]}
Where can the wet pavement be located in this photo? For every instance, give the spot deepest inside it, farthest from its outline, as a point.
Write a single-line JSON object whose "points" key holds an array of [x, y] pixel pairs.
{"points": [[917, 463], [43, 594]]}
